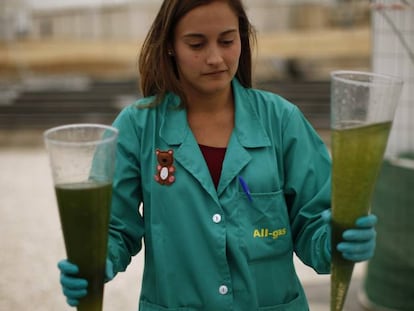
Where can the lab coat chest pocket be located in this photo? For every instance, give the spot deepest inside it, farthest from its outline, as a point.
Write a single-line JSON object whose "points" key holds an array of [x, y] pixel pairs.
{"points": [[265, 230]]}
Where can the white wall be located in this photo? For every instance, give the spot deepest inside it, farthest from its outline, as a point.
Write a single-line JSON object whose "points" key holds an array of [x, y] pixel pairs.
{"points": [[132, 19], [124, 21], [14, 19], [390, 56]]}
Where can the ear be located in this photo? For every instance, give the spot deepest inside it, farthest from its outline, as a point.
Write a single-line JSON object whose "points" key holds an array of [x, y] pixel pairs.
{"points": [[157, 152], [170, 151], [170, 49]]}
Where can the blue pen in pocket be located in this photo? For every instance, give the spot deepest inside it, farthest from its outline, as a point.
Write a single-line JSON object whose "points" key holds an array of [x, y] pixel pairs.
{"points": [[245, 188]]}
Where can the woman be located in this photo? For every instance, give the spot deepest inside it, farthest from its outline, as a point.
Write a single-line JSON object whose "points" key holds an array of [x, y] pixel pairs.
{"points": [[233, 180]]}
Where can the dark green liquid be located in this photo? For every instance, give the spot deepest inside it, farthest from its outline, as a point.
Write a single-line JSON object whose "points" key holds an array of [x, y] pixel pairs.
{"points": [[84, 214], [357, 154]]}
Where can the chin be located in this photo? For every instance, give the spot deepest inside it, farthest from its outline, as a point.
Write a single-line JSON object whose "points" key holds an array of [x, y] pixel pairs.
{"points": [[217, 88], [209, 86], [218, 84]]}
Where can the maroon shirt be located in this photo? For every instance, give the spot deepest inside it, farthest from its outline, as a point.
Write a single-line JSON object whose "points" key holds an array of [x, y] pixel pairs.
{"points": [[214, 157]]}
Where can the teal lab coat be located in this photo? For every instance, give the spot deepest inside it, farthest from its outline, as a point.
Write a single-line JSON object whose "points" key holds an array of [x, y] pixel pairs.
{"points": [[215, 249]]}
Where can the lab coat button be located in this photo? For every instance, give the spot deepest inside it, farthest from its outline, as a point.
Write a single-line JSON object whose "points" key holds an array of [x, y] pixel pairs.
{"points": [[217, 218], [223, 289]]}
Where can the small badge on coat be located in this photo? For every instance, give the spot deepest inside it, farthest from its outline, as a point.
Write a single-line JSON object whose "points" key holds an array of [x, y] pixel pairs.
{"points": [[165, 167]]}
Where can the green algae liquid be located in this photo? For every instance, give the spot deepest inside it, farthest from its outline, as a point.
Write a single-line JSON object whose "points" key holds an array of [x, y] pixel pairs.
{"points": [[84, 214], [357, 153]]}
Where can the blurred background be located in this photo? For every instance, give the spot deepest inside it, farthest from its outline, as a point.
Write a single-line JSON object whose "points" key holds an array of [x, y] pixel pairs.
{"points": [[71, 61], [75, 61]]}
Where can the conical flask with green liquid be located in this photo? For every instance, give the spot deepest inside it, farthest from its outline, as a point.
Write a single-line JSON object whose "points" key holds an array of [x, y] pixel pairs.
{"points": [[362, 109], [82, 159]]}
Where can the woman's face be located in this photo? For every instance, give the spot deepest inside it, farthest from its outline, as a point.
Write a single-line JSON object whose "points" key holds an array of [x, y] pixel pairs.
{"points": [[207, 49]]}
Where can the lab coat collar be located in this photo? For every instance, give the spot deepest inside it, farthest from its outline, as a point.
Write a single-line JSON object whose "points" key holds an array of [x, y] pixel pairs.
{"points": [[248, 129], [175, 132], [248, 133], [174, 126]]}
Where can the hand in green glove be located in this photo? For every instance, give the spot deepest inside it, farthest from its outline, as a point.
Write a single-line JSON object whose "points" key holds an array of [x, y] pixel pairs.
{"points": [[73, 287], [358, 243]]}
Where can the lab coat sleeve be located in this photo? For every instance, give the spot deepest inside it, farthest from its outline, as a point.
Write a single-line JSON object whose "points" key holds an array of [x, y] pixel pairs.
{"points": [[307, 170], [126, 227]]}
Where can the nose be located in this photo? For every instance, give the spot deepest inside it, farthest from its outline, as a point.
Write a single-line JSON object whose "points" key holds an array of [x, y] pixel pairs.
{"points": [[214, 56]]}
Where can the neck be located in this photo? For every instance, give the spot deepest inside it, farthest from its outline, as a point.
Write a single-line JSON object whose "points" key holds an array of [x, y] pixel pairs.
{"points": [[210, 104], [211, 119]]}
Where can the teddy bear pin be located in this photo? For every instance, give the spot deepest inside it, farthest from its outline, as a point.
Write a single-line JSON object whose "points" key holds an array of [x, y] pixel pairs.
{"points": [[165, 167]]}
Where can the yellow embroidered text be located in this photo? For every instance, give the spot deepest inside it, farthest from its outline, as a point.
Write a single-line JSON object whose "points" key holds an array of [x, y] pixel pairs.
{"points": [[266, 233]]}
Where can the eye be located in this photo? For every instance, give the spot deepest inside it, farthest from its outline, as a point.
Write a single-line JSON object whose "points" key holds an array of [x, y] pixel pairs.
{"points": [[196, 46], [227, 42]]}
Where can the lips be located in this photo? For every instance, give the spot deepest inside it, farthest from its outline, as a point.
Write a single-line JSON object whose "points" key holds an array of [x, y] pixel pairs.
{"points": [[213, 73]]}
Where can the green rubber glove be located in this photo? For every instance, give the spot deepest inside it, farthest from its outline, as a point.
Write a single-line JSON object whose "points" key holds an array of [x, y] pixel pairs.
{"points": [[73, 287], [359, 242]]}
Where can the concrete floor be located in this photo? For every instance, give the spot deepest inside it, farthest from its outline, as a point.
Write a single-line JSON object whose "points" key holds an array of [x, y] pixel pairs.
{"points": [[31, 242]]}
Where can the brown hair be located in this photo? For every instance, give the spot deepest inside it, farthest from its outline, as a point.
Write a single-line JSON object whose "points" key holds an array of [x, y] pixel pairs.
{"points": [[157, 68]]}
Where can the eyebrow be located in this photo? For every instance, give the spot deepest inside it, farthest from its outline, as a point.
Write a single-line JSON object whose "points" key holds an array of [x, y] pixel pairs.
{"points": [[199, 35]]}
